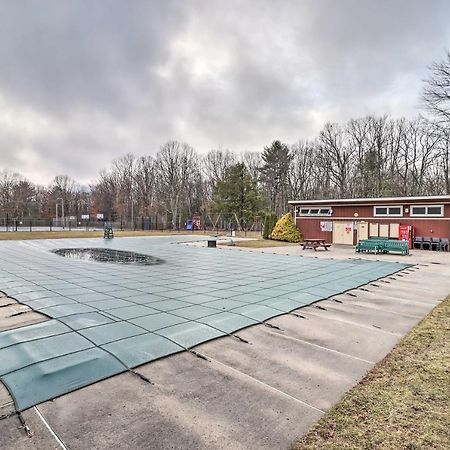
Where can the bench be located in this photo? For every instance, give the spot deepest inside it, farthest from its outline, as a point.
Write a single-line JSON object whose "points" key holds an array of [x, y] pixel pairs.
{"points": [[382, 246], [315, 244], [368, 246], [396, 246]]}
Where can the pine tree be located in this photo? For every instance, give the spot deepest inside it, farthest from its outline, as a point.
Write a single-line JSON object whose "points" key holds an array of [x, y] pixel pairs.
{"points": [[274, 174], [237, 194], [269, 223]]}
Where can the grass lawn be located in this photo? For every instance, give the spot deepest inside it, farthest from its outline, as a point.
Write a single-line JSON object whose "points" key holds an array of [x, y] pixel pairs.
{"points": [[403, 403], [25, 235], [260, 243]]}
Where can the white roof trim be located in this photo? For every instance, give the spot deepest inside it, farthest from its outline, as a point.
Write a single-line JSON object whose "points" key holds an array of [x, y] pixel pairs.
{"points": [[371, 200]]}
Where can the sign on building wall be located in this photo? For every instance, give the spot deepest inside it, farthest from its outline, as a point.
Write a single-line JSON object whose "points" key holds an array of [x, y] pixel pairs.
{"points": [[326, 226], [99, 216]]}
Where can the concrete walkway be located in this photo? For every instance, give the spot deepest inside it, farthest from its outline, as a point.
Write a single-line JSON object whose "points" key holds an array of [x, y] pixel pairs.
{"points": [[259, 394]]}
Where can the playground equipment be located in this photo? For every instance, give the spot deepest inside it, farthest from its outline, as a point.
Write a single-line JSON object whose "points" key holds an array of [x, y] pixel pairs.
{"points": [[193, 224]]}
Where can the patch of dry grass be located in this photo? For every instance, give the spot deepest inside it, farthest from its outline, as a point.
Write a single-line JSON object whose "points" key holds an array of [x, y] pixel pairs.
{"points": [[403, 403], [26, 235]]}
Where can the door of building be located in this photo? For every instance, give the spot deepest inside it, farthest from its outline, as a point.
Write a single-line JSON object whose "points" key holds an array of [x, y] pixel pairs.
{"points": [[373, 230], [384, 230], [394, 230], [363, 231], [343, 233]]}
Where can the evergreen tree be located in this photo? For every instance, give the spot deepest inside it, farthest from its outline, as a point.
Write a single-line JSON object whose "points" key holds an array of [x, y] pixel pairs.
{"points": [[286, 230], [274, 175], [236, 194], [269, 223]]}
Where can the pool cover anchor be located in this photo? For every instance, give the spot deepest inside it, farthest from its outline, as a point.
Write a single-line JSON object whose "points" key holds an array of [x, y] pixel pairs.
{"points": [[270, 325], [299, 315], [8, 415], [236, 336], [320, 307], [24, 425], [199, 355], [141, 376], [20, 313], [8, 304]]}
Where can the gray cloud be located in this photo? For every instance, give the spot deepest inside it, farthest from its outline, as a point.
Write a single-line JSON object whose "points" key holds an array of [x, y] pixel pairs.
{"points": [[83, 82]]}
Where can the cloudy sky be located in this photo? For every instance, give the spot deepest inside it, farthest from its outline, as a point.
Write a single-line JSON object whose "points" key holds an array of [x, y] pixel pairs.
{"points": [[83, 82]]}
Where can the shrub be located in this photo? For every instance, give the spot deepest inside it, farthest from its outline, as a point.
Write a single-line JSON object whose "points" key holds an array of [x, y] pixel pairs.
{"points": [[286, 230], [269, 223]]}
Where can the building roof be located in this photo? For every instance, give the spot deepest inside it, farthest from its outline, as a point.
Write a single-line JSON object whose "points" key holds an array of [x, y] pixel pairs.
{"points": [[352, 201]]}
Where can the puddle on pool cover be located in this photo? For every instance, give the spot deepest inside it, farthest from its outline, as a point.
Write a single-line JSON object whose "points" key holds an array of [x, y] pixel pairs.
{"points": [[108, 255]]}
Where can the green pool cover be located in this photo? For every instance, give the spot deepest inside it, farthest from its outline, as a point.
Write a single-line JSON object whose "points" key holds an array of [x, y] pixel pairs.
{"points": [[108, 317]]}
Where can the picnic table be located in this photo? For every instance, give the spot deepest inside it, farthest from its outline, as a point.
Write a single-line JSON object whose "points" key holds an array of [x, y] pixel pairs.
{"points": [[315, 243]]}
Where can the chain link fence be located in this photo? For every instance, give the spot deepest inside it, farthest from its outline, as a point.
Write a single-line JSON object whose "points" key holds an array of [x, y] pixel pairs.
{"points": [[206, 224]]}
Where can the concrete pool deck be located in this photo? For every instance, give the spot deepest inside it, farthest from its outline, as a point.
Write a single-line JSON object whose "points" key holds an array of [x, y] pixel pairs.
{"points": [[261, 394]]}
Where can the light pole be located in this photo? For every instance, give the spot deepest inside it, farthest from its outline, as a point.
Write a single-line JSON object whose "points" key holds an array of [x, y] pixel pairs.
{"points": [[132, 208], [62, 211]]}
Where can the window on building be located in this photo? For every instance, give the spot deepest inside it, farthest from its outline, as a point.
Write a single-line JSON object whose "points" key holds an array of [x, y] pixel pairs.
{"points": [[395, 210], [418, 211], [427, 210], [313, 211], [388, 211]]}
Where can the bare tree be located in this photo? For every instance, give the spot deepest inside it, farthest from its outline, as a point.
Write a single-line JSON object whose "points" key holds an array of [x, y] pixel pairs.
{"points": [[104, 194], [302, 170], [177, 166], [65, 188], [436, 92], [216, 163], [337, 157], [145, 185], [253, 161], [16, 194]]}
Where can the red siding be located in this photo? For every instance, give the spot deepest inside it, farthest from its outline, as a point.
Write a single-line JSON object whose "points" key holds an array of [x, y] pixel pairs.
{"points": [[310, 228], [434, 227]]}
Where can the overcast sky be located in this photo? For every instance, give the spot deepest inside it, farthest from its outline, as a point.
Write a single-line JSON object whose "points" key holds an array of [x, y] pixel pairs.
{"points": [[83, 82]]}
